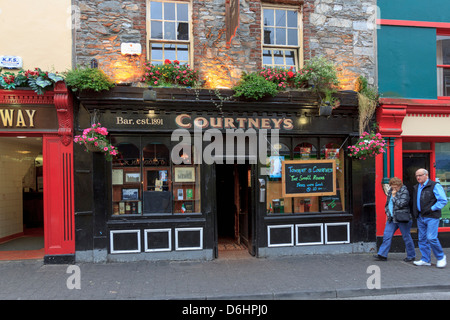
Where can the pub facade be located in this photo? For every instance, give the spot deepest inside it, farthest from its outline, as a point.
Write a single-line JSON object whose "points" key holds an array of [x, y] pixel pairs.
{"points": [[198, 167], [187, 179]]}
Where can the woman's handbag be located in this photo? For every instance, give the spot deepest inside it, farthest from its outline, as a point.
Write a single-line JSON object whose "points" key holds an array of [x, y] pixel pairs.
{"points": [[402, 216]]}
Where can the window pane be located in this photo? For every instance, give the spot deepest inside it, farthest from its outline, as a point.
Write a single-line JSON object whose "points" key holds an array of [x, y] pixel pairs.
{"points": [[443, 50], [290, 58], [169, 52], [268, 35], [276, 153], [156, 10], [126, 179], [267, 57], [156, 27], [186, 183], [278, 57], [169, 30], [416, 146], [182, 54], [335, 202], [442, 151], [182, 12], [156, 53], [292, 37], [169, 11], [268, 17], [292, 19], [280, 37], [183, 31], [280, 16]]}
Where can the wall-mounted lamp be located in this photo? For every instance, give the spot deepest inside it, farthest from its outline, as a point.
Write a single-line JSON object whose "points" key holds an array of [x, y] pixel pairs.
{"points": [[149, 94], [94, 63]]}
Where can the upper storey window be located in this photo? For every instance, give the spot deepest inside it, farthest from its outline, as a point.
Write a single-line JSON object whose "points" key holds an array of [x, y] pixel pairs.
{"points": [[169, 30], [443, 64], [281, 34]]}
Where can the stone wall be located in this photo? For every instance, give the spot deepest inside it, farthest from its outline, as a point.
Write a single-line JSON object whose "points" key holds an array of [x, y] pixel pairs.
{"points": [[342, 30], [103, 26]]}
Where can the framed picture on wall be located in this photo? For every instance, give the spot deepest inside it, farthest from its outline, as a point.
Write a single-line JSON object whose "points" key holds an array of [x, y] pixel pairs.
{"points": [[132, 177], [184, 174], [130, 194]]}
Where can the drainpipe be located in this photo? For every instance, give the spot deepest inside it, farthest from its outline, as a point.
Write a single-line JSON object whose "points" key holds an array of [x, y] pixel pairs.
{"points": [[385, 180]]}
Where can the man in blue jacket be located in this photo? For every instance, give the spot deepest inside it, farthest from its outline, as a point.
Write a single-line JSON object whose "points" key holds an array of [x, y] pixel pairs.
{"points": [[428, 200]]}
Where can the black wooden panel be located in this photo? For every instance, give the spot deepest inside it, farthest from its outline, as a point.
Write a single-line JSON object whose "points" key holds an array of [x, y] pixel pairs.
{"points": [[280, 235], [157, 240], [125, 241], [189, 239], [309, 234], [337, 233]]}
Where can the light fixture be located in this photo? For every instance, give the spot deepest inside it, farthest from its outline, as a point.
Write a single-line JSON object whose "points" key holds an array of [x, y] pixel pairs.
{"points": [[94, 63], [149, 95]]}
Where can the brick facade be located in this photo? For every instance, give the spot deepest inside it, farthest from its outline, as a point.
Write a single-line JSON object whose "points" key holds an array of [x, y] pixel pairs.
{"points": [[341, 30]]}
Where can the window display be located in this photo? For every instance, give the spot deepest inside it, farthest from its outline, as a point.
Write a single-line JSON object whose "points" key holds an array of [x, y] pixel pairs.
{"points": [[442, 151], [278, 200], [145, 181]]}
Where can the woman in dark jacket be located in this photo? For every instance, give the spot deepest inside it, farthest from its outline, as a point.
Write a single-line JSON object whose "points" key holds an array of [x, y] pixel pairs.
{"points": [[398, 217]]}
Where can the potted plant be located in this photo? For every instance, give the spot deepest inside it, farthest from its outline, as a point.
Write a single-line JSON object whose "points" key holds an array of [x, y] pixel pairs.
{"points": [[94, 140], [169, 74], [321, 76], [254, 86], [328, 102], [85, 78], [38, 80]]}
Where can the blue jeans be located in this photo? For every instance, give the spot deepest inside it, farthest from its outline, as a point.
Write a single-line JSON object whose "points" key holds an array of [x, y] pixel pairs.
{"points": [[389, 230], [428, 238]]}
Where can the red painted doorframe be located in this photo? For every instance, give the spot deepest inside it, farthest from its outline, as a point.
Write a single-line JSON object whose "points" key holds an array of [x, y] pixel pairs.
{"points": [[390, 117], [57, 149]]}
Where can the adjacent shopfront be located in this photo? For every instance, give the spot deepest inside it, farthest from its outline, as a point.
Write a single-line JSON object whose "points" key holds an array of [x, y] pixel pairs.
{"points": [[37, 169], [194, 170], [418, 136]]}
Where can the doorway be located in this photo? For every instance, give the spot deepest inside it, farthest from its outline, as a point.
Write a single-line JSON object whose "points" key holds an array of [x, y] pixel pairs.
{"points": [[411, 163], [22, 210], [234, 209]]}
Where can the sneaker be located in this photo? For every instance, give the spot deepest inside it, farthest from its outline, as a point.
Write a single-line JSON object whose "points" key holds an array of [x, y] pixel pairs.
{"points": [[442, 263], [409, 259], [422, 263]]}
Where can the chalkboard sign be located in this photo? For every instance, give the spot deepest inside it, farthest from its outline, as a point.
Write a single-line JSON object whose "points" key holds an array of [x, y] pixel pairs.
{"points": [[303, 178]]}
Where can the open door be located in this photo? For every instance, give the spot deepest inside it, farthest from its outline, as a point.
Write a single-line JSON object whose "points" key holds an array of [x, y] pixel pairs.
{"points": [[234, 207], [411, 163]]}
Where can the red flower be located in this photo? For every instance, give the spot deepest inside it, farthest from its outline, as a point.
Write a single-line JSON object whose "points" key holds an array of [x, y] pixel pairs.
{"points": [[167, 61], [290, 74]]}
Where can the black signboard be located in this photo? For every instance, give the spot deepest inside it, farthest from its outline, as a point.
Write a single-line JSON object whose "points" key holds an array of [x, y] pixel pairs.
{"points": [[302, 178]]}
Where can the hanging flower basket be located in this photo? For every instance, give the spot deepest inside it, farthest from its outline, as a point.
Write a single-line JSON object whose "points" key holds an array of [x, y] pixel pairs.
{"points": [[96, 148], [94, 140], [368, 145]]}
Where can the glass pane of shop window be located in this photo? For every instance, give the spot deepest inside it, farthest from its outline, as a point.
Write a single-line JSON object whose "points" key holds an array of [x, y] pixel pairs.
{"points": [[442, 154]]}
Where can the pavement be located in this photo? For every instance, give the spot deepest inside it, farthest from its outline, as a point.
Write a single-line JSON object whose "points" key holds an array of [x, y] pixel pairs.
{"points": [[237, 276]]}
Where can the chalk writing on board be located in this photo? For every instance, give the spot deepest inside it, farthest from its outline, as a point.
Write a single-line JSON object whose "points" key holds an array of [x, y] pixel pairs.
{"points": [[309, 178]]}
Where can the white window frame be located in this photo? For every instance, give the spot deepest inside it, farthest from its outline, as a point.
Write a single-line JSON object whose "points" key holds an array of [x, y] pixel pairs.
{"points": [[298, 50], [188, 42], [443, 82]]}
